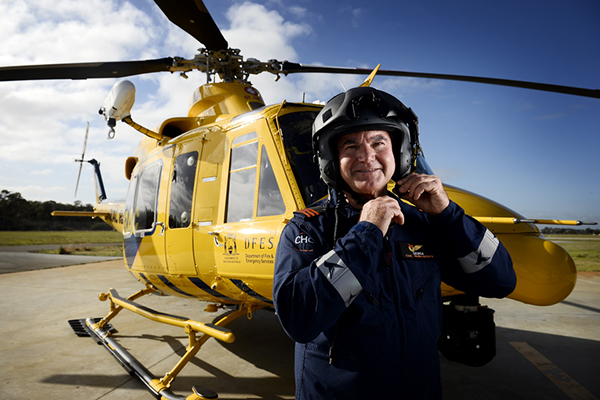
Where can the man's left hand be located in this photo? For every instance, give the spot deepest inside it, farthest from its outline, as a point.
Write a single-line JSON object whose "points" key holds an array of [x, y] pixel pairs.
{"points": [[424, 191]]}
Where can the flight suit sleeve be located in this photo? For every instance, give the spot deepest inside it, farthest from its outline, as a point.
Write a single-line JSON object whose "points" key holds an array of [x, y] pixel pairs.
{"points": [[476, 262], [313, 285]]}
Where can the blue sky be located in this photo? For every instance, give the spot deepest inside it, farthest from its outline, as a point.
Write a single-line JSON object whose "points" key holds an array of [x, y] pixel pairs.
{"points": [[535, 152]]}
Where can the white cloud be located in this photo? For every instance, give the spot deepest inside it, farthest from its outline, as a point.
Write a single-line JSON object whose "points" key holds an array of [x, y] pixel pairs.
{"points": [[46, 171], [354, 15], [42, 31], [357, 13], [262, 33], [299, 12], [42, 123]]}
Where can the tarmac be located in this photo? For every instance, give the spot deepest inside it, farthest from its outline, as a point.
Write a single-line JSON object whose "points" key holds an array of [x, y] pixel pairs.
{"points": [[25, 258], [542, 352]]}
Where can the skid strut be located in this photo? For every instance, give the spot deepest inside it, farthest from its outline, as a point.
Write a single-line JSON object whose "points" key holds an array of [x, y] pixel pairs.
{"points": [[100, 331]]}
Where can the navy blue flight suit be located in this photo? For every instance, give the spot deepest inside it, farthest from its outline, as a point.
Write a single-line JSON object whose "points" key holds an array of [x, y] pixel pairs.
{"points": [[366, 312]]}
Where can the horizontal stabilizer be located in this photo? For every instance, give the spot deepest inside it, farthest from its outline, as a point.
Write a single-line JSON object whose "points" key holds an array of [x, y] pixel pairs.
{"points": [[92, 214]]}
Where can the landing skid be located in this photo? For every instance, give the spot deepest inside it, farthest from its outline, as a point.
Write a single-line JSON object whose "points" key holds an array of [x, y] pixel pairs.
{"points": [[100, 330]]}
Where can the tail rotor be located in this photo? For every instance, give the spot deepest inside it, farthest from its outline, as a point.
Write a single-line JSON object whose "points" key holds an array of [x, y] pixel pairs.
{"points": [[81, 161]]}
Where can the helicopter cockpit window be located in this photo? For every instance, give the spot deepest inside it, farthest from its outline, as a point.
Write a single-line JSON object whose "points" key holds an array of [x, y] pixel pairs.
{"points": [[146, 198], [296, 130], [270, 201], [182, 190], [422, 166], [242, 179]]}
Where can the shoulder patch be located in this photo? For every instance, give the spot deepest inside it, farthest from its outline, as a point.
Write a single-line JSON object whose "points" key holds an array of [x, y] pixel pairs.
{"points": [[310, 212]]}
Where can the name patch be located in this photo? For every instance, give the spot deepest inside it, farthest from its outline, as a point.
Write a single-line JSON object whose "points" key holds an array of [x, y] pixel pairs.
{"points": [[416, 251]]}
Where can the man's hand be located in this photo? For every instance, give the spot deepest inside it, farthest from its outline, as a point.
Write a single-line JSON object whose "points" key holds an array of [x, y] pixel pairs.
{"points": [[381, 211], [424, 191]]}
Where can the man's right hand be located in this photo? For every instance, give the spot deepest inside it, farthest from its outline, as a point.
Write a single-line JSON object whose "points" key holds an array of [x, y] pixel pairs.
{"points": [[382, 211]]}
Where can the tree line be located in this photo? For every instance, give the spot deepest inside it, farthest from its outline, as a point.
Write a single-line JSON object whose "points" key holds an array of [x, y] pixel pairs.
{"points": [[570, 231], [19, 214]]}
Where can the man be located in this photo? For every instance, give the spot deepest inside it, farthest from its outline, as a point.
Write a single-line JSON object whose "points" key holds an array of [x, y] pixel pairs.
{"points": [[364, 311]]}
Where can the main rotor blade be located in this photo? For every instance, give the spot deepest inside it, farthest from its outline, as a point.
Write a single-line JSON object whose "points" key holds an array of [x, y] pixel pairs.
{"points": [[289, 67], [115, 69], [193, 17]]}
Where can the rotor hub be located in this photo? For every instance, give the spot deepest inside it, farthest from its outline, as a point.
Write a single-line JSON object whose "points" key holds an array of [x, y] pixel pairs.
{"points": [[228, 64]]}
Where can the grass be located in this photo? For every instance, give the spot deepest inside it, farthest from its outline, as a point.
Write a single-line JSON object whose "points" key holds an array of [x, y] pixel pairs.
{"points": [[585, 250], [24, 238], [71, 242]]}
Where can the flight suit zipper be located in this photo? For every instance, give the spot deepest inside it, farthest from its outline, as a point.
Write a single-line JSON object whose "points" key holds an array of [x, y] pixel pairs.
{"points": [[371, 298], [390, 268]]}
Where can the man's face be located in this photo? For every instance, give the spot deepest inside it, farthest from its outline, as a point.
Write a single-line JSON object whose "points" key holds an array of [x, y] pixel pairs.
{"points": [[366, 162]]}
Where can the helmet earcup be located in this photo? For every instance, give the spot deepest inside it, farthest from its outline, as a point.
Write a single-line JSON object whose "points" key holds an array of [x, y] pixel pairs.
{"points": [[403, 153]]}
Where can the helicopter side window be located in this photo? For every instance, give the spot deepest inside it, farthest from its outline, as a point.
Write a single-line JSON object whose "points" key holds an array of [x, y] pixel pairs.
{"points": [[146, 198], [242, 181], [244, 138], [296, 130], [129, 201], [270, 201], [182, 190]]}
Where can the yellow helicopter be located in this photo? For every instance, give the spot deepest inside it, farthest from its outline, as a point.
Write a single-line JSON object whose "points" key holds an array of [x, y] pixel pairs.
{"points": [[210, 193]]}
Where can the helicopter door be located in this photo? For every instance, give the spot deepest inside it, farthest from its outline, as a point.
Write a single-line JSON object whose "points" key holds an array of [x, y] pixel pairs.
{"points": [[206, 202], [253, 215], [180, 256], [145, 217]]}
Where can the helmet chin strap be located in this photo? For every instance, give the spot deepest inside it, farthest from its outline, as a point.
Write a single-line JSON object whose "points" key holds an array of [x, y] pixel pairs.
{"points": [[344, 190], [358, 199]]}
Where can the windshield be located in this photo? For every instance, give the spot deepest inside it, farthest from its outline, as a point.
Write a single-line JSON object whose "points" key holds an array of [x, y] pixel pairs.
{"points": [[296, 130], [422, 166]]}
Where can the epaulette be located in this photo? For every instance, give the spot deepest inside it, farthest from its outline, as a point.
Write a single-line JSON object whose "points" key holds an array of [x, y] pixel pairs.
{"points": [[312, 211]]}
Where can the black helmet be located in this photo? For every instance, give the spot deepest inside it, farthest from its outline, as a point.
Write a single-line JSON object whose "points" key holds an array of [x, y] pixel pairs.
{"points": [[361, 109]]}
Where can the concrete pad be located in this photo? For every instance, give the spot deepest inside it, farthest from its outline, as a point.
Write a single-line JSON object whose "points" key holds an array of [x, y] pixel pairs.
{"points": [[41, 357], [39, 354], [566, 334], [23, 258]]}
